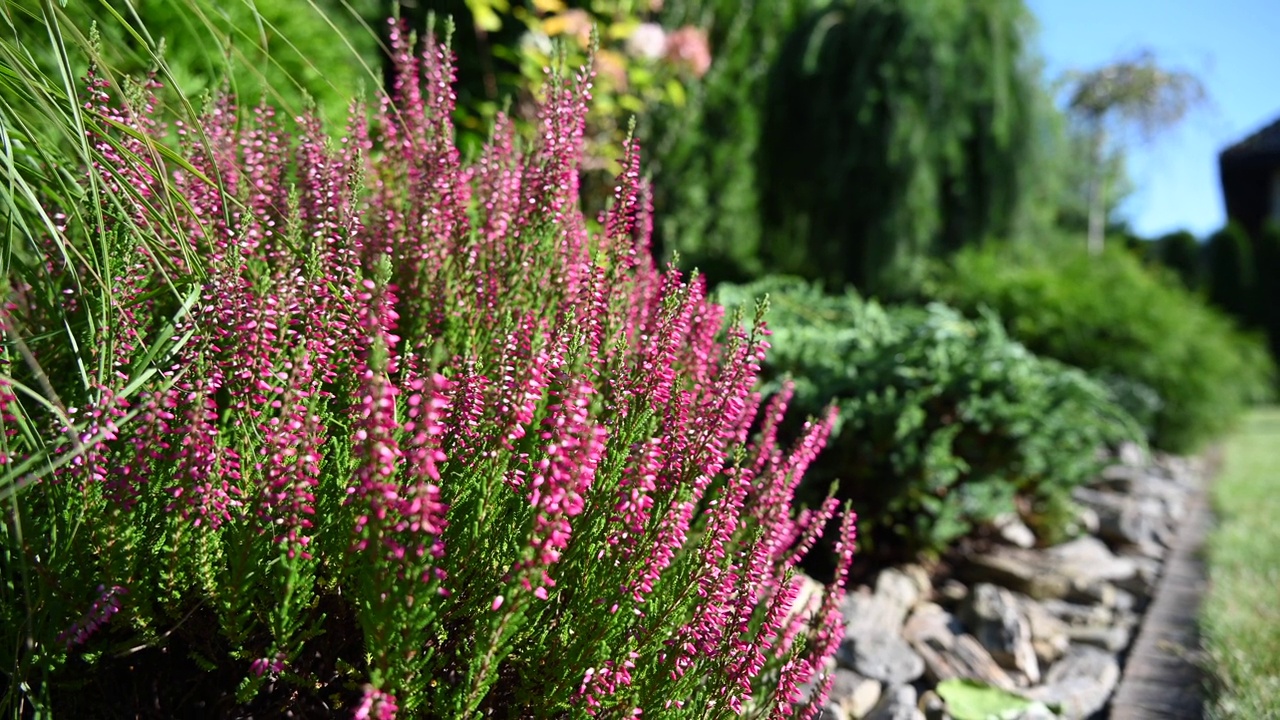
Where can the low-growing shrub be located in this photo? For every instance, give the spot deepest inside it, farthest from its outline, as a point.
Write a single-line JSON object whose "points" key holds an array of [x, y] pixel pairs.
{"points": [[359, 427], [944, 423], [1186, 369]]}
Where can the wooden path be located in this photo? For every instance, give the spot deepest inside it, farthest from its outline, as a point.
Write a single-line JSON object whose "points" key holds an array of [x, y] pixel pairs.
{"points": [[1161, 678]]}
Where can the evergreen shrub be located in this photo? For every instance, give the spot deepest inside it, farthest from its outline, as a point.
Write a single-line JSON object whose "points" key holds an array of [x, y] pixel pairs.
{"points": [[356, 427], [944, 422], [1184, 368]]}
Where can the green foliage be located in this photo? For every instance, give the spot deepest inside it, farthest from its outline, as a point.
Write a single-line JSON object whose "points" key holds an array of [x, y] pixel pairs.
{"points": [[1232, 278], [973, 700], [943, 422], [1268, 264], [1181, 252], [291, 52], [1240, 619], [895, 129], [705, 154], [1140, 331]]}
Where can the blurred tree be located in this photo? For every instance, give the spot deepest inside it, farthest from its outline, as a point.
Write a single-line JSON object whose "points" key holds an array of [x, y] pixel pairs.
{"points": [[703, 156], [1133, 92], [895, 128], [1268, 267], [1180, 251], [1232, 280]]}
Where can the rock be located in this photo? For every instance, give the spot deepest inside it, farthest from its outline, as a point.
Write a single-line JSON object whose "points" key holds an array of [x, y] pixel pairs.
{"points": [[933, 707], [1013, 531], [1093, 592], [1052, 573], [1048, 633], [1080, 683], [885, 609], [1087, 520], [881, 655], [996, 620], [1132, 454], [1087, 559], [897, 704], [1140, 521], [932, 632], [1016, 570], [1112, 638], [1076, 615], [1143, 581], [952, 592], [852, 695], [1036, 711]]}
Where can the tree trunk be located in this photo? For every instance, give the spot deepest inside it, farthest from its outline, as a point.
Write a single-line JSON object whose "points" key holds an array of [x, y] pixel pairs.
{"points": [[1097, 197]]}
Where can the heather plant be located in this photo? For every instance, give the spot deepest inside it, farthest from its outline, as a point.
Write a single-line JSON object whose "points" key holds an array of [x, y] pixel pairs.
{"points": [[352, 425], [944, 422]]}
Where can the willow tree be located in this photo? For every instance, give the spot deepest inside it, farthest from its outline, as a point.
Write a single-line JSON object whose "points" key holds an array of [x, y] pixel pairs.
{"points": [[896, 129], [704, 154]]}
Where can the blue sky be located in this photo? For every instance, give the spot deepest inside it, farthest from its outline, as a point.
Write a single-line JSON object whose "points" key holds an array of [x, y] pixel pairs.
{"points": [[1232, 45]]}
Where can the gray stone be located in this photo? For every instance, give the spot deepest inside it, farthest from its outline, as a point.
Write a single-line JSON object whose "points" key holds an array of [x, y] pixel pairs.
{"points": [[1113, 638], [1048, 633], [952, 591], [1140, 521], [1080, 683], [1076, 615], [933, 707], [1016, 570], [1087, 559], [1093, 592], [1133, 455], [882, 656], [1036, 711], [899, 703], [852, 695], [1014, 532], [934, 634], [886, 608], [1052, 573], [995, 618], [1144, 580]]}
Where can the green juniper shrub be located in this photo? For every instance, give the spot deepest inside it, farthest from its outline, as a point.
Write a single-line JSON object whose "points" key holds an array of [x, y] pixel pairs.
{"points": [[1180, 366], [357, 427], [944, 422]]}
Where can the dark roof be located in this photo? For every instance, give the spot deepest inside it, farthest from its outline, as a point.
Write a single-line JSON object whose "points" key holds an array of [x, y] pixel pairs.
{"points": [[1263, 142]]}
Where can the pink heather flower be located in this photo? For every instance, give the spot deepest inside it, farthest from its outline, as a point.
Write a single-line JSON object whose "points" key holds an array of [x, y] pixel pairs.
{"points": [[598, 683], [8, 416], [100, 613], [376, 705], [558, 482], [292, 469], [261, 666]]}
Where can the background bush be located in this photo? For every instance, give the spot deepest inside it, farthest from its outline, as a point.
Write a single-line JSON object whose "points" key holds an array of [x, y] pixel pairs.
{"points": [[1181, 367], [944, 422]]}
